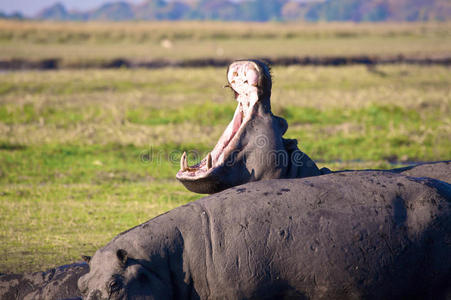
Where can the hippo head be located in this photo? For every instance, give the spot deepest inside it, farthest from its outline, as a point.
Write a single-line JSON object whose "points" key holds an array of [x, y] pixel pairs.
{"points": [[113, 275], [251, 148]]}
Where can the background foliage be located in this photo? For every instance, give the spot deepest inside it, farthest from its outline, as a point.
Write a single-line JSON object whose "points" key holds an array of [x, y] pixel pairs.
{"points": [[259, 10]]}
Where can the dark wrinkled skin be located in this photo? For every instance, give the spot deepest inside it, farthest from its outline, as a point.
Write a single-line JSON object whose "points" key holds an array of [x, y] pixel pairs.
{"points": [[351, 235], [54, 284]]}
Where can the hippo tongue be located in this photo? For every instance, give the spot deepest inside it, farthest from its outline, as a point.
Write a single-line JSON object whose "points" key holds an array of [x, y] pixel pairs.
{"points": [[243, 79]]}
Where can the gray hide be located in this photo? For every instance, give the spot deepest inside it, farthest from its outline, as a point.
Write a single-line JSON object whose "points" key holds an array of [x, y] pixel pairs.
{"points": [[440, 170], [354, 235], [54, 284]]}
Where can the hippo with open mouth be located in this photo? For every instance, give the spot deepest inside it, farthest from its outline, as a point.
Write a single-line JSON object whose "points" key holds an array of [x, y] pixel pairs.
{"points": [[355, 235], [252, 147]]}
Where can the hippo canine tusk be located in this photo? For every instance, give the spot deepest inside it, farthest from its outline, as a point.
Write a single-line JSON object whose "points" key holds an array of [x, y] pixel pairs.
{"points": [[209, 162], [183, 162]]}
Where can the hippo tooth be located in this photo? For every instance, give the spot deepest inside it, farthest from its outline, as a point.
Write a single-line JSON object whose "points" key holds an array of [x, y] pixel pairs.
{"points": [[209, 163], [183, 162]]}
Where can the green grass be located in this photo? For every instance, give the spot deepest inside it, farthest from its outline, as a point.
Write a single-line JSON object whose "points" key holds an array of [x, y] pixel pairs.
{"points": [[87, 154], [50, 224]]}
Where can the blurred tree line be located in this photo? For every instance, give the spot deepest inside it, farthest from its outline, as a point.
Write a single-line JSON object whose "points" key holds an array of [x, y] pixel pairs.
{"points": [[261, 10]]}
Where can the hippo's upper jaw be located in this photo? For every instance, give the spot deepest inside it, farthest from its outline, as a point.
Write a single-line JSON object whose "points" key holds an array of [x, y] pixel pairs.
{"points": [[251, 148], [247, 81]]}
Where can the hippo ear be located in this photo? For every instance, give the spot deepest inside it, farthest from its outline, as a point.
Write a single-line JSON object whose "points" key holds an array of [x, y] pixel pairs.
{"points": [[122, 256], [283, 125], [86, 258]]}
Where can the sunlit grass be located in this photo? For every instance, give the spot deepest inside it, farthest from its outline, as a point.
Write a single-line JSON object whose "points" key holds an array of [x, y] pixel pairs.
{"points": [[87, 154], [51, 224]]}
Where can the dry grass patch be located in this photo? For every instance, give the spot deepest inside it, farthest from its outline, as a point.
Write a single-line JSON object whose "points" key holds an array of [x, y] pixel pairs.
{"points": [[78, 43]]}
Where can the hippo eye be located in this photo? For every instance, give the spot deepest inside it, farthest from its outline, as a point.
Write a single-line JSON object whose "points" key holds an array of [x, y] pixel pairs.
{"points": [[114, 286]]}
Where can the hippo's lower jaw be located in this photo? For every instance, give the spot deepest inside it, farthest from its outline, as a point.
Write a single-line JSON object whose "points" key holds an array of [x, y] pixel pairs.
{"points": [[215, 158], [245, 80]]}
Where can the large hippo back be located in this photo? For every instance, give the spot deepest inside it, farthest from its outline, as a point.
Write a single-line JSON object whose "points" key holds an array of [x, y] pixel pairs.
{"points": [[369, 233], [372, 235]]}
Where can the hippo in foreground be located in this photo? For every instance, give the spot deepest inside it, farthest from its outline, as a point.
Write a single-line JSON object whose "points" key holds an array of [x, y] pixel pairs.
{"points": [[354, 235]]}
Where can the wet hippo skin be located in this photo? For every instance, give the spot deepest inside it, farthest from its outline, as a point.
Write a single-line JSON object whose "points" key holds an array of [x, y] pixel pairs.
{"points": [[353, 235]]}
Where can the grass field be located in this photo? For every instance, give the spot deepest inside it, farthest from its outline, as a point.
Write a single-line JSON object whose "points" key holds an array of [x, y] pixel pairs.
{"points": [[87, 154], [87, 43]]}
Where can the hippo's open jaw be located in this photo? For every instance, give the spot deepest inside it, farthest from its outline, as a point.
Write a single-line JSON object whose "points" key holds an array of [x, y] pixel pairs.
{"points": [[244, 79]]}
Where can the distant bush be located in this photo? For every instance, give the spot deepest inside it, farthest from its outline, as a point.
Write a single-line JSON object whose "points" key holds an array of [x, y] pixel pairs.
{"points": [[261, 10]]}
